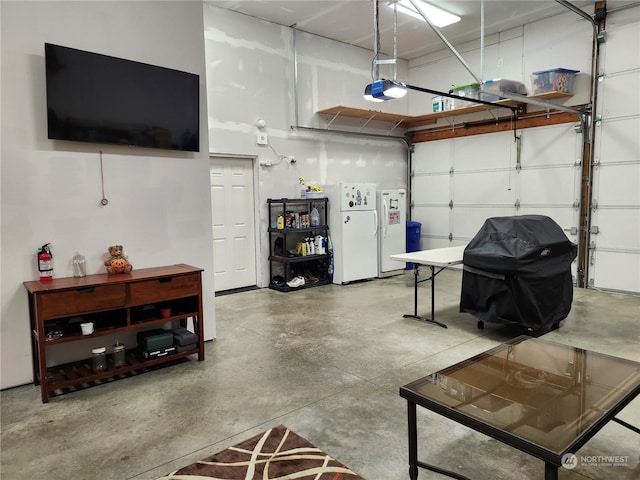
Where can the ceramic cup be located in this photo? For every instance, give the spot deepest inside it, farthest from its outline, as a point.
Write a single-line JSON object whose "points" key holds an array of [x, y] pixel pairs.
{"points": [[87, 328]]}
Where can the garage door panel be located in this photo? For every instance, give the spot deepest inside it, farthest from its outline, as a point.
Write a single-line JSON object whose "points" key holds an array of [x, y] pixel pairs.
{"points": [[618, 140], [434, 220], [470, 152], [430, 243], [490, 187], [545, 146], [616, 271], [467, 221], [618, 185], [431, 189], [617, 228], [622, 31], [565, 217], [621, 95], [436, 157], [548, 186]]}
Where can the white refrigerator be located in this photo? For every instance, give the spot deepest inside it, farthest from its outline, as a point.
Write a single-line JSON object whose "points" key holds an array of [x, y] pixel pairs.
{"points": [[392, 233], [353, 227]]}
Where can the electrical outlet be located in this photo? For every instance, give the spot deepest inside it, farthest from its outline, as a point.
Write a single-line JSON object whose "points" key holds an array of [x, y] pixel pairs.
{"points": [[262, 138]]}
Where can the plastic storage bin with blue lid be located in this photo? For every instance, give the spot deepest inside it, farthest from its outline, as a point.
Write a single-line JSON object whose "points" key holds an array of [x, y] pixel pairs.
{"points": [[552, 80]]}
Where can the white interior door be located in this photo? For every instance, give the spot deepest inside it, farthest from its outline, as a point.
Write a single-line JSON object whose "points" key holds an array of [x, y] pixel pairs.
{"points": [[232, 206]]}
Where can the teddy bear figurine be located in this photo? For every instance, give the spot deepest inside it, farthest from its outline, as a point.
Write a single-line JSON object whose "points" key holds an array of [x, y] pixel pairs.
{"points": [[117, 261]]}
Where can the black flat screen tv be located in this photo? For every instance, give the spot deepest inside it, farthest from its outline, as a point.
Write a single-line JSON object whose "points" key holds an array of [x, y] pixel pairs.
{"points": [[101, 99]]}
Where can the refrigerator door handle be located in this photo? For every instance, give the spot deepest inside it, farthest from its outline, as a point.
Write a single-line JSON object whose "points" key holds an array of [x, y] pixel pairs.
{"points": [[386, 217], [375, 223]]}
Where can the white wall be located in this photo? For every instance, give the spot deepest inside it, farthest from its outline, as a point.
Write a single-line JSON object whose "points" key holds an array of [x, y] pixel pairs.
{"points": [[250, 73], [159, 205]]}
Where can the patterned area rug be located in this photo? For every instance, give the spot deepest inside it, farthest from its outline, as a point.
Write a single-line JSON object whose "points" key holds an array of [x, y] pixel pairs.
{"points": [[277, 454]]}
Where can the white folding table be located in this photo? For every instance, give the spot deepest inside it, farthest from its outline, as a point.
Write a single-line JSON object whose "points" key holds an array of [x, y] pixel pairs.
{"points": [[435, 258]]}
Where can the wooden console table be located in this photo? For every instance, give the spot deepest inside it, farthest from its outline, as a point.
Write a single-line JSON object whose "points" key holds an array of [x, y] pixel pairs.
{"points": [[114, 303]]}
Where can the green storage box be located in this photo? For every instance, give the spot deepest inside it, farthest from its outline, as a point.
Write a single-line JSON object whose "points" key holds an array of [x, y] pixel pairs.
{"points": [[155, 339]]}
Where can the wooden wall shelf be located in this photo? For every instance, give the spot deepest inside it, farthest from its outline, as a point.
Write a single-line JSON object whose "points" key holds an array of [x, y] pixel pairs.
{"points": [[410, 122]]}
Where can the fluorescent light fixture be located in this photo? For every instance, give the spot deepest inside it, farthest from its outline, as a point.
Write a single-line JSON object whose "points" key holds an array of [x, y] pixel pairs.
{"points": [[436, 15], [382, 90]]}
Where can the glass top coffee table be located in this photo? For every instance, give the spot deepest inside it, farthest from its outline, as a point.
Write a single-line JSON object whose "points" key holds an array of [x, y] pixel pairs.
{"points": [[541, 397]]}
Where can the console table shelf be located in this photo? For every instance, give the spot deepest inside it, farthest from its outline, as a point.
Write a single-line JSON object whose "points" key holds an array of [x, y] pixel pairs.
{"points": [[76, 373], [115, 304]]}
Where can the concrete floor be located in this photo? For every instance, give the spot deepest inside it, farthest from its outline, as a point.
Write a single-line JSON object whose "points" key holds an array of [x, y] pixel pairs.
{"points": [[327, 362]]}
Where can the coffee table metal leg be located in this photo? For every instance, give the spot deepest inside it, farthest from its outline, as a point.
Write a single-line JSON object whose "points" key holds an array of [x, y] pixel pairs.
{"points": [[413, 441], [550, 471], [414, 463]]}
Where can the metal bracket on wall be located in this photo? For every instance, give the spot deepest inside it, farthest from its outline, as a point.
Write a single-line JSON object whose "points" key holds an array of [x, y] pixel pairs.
{"points": [[366, 122], [336, 115], [576, 204], [572, 230], [594, 205], [450, 236], [517, 204], [451, 171], [395, 126], [594, 230], [451, 204]]}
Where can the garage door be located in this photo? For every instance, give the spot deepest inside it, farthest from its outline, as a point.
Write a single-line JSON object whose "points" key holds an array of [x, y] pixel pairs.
{"points": [[614, 254], [458, 184]]}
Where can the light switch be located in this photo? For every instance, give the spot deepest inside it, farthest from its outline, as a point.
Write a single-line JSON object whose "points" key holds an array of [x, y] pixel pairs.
{"points": [[262, 138]]}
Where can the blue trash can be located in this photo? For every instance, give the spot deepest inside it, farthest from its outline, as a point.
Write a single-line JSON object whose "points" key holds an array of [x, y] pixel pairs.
{"points": [[413, 239]]}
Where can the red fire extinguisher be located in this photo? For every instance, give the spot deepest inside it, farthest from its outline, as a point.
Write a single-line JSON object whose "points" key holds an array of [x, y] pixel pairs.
{"points": [[45, 265]]}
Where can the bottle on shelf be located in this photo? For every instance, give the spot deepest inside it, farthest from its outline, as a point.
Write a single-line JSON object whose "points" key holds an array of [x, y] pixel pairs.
{"points": [[315, 217]]}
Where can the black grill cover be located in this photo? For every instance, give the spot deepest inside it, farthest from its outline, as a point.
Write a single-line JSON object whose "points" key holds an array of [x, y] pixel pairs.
{"points": [[518, 270]]}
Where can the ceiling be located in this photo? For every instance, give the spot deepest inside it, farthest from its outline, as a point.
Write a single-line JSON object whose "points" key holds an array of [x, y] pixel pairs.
{"points": [[351, 21]]}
